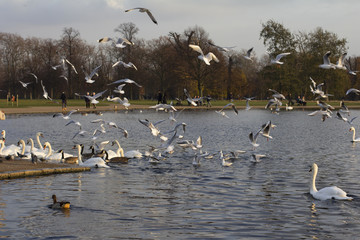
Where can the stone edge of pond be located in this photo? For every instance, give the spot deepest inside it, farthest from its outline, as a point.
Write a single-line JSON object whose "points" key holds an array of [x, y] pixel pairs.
{"points": [[41, 172]]}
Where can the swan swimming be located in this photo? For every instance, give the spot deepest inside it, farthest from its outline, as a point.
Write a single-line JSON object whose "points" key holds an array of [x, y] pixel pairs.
{"points": [[326, 193], [353, 137]]}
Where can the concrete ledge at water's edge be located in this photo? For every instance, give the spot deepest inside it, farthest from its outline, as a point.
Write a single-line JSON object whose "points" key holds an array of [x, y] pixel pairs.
{"points": [[41, 172]]}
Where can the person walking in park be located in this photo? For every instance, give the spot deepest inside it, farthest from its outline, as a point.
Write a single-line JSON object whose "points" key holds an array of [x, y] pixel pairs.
{"points": [[159, 97], [63, 101]]}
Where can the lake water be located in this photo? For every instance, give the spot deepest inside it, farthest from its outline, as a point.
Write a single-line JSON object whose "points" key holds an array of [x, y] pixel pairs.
{"points": [[174, 200]]}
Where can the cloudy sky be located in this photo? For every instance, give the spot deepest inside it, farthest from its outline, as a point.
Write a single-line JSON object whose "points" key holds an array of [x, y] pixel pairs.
{"points": [[228, 22]]}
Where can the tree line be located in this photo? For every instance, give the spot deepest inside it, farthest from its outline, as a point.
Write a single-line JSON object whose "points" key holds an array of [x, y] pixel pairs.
{"points": [[168, 64]]}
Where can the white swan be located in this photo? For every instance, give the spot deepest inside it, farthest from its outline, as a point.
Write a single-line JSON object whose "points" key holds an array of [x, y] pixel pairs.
{"points": [[51, 156], [91, 162], [353, 137], [327, 192], [11, 150], [38, 152], [23, 154], [38, 135]]}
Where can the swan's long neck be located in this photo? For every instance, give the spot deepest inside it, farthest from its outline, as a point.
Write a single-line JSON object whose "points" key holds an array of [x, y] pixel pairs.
{"points": [[38, 141], [312, 183], [31, 144], [79, 155], [50, 149], [353, 134], [119, 151], [22, 142], [2, 146]]}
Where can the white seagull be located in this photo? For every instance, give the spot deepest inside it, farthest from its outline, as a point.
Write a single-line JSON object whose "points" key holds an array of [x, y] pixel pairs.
{"points": [[223, 49], [36, 78], [45, 94], [88, 77], [248, 107], [326, 62], [127, 65], [353, 90], [142, 10], [276, 60], [206, 58], [25, 84], [123, 42], [119, 88], [93, 98], [248, 54], [189, 98], [340, 64], [126, 80]]}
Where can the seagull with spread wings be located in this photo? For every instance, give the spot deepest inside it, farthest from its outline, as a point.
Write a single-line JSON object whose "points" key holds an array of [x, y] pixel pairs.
{"points": [[88, 77], [326, 62], [127, 65], [25, 84], [206, 58], [45, 94], [126, 80], [248, 54], [278, 57], [142, 10], [36, 78], [223, 49]]}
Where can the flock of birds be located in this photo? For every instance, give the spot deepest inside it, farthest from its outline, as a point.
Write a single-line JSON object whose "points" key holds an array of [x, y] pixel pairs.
{"points": [[169, 140]]}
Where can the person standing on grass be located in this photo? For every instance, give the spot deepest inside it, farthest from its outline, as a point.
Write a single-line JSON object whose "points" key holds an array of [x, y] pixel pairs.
{"points": [[63, 100], [87, 100]]}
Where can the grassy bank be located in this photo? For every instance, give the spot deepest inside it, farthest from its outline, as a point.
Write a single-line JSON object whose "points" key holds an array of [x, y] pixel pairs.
{"points": [[23, 103]]}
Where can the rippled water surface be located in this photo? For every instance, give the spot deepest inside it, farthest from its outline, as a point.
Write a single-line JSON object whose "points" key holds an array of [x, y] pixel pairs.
{"points": [[174, 200]]}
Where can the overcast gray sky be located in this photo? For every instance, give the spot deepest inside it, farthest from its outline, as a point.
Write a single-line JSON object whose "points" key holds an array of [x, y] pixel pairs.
{"points": [[228, 22]]}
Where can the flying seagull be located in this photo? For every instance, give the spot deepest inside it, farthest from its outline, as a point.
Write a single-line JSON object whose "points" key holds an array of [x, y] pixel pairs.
{"points": [[36, 78], [326, 62], [277, 59], [223, 49], [25, 84], [206, 58], [127, 65], [142, 10], [88, 77], [45, 94], [126, 80], [248, 54]]}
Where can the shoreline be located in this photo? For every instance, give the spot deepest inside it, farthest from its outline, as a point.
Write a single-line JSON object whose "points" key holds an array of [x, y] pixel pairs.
{"points": [[117, 107], [24, 168]]}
